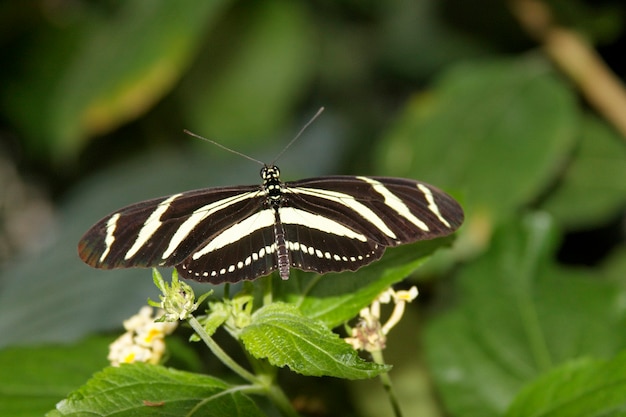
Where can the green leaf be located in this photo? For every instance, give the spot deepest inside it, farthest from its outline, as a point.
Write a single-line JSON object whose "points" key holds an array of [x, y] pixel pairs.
{"points": [[498, 131], [34, 379], [520, 316], [338, 297], [147, 390], [280, 333], [614, 266], [581, 388], [417, 40], [115, 67], [245, 88], [593, 189]]}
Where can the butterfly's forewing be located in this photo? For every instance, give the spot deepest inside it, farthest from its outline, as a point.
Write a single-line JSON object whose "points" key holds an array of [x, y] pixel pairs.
{"points": [[350, 220], [165, 231], [390, 211]]}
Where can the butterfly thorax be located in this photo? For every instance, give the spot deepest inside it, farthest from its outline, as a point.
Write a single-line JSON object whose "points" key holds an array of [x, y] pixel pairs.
{"points": [[274, 189], [272, 185]]}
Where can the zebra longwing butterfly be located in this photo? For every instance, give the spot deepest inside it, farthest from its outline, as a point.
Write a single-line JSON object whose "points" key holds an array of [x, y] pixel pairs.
{"points": [[229, 234]]}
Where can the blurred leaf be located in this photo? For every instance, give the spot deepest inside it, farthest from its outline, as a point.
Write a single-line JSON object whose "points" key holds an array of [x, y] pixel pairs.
{"points": [[593, 189], [519, 316], [600, 22], [148, 390], [112, 70], [256, 66], [497, 131], [582, 388], [416, 41], [615, 266], [338, 297], [51, 296], [280, 333], [33, 380]]}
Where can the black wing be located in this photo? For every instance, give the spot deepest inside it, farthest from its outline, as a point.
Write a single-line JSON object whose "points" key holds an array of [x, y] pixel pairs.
{"points": [[342, 223], [166, 230]]}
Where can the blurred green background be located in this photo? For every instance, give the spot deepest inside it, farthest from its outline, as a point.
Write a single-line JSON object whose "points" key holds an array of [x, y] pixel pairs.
{"points": [[94, 97]]}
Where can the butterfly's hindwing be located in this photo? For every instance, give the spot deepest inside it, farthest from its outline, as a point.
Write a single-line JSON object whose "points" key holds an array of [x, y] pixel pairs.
{"points": [[243, 250], [314, 250]]}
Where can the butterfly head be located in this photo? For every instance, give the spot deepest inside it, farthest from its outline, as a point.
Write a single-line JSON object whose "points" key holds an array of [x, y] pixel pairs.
{"points": [[270, 173], [272, 183]]}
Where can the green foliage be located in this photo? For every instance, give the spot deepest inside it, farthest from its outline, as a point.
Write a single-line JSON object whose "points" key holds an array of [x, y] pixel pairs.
{"points": [[520, 316], [274, 37], [148, 390], [434, 90], [281, 334], [34, 379], [583, 387], [592, 188], [513, 112], [336, 298], [110, 69]]}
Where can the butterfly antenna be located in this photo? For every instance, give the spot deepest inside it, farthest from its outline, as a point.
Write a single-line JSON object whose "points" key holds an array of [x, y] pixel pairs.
{"points": [[299, 134], [222, 146]]}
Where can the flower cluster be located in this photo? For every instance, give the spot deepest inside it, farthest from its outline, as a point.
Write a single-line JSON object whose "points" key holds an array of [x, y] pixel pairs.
{"points": [[144, 340], [369, 334], [177, 298]]}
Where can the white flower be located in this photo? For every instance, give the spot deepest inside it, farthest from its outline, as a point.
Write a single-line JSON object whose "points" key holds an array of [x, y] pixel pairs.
{"points": [[144, 340], [369, 334]]}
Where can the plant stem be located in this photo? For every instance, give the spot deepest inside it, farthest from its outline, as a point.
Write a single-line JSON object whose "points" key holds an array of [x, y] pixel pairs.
{"points": [[576, 58], [281, 401], [266, 385], [384, 378], [267, 290], [220, 354]]}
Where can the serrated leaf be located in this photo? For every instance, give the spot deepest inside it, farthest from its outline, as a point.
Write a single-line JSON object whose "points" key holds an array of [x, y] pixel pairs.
{"points": [[34, 379], [581, 388], [520, 315], [593, 188], [280, 333], [148, 390], [338, 297]]}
